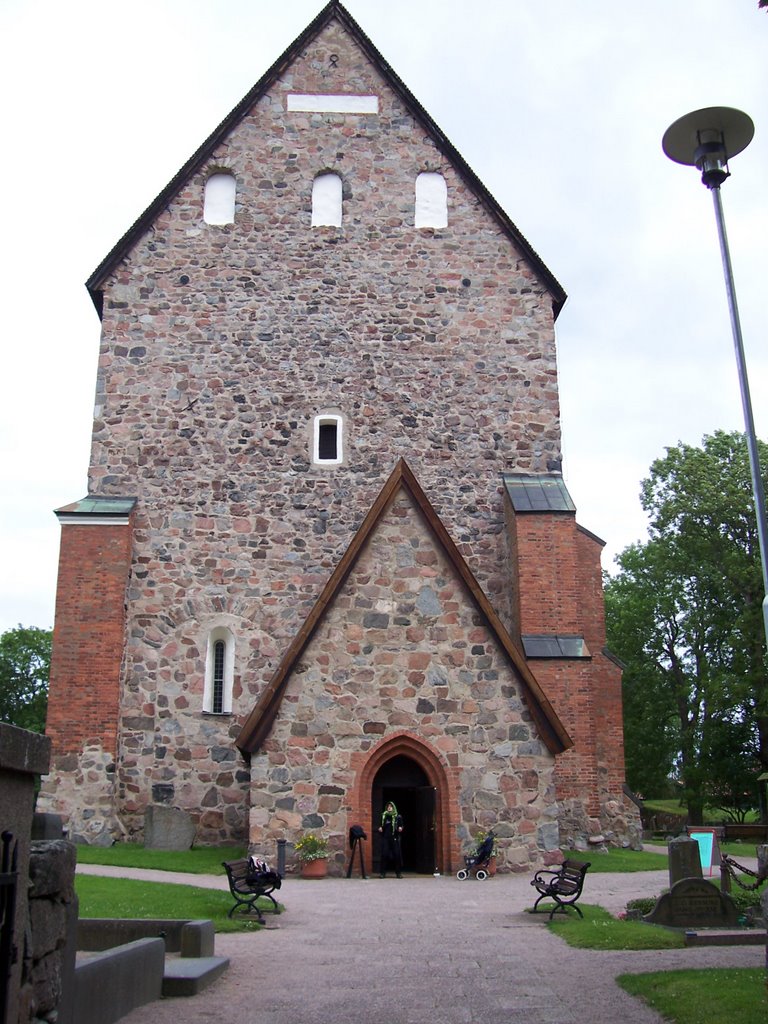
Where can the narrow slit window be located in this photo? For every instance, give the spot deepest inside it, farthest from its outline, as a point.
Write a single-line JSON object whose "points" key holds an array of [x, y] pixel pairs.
{"points": [[219, 651], [431, 201], [219, 672], [219, 201], [326, 201], [327, 444]]}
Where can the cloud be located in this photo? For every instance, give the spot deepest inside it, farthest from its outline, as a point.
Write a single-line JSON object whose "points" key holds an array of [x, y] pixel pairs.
{"points": [[559, 107]]}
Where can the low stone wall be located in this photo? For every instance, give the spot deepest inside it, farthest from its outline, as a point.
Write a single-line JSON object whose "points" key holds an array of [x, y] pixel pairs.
{"points": [[110, 984], [49, 955], [23, 756]]}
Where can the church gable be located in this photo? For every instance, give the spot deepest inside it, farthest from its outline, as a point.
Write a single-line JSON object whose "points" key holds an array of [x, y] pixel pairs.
{"points": [[403, 647], [331, 77], [407, 601]]}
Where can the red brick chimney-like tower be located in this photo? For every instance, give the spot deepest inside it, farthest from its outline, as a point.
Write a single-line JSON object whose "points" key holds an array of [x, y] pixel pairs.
{"points": [[88, 643]]}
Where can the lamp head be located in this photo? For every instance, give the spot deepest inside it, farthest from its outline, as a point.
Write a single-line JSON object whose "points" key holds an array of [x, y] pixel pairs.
{"points": [[706, 139]]}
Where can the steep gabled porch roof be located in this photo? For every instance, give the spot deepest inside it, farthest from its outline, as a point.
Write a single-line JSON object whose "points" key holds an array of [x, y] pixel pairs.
{"points": [[258, 724]]}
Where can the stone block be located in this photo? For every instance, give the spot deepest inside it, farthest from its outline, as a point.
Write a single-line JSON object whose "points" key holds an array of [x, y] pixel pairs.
{"points": [[167, 828], [684, 859], [188, 977], [51, 868], [47, 826]]}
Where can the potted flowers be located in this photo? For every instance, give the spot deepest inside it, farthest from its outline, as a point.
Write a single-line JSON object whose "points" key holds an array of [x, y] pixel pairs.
{"points": [[312, 851]]}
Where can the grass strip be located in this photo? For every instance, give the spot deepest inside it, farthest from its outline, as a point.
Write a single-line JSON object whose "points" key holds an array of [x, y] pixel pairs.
{"points": [[600, 930], [617, 859], [125, 897], [737, 995], [201, 860]]}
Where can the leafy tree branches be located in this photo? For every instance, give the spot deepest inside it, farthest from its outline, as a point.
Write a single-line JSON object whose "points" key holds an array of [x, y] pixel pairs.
{"points": [[684, 615], [25, 661]]}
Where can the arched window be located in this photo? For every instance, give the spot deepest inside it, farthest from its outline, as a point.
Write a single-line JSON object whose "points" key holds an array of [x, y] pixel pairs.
{"points": [[219, 204], [431, 201], [327, 443], [326, 201], [219, 672]]}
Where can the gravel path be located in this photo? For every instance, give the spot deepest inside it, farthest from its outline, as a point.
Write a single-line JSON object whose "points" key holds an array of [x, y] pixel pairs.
{"points": [[424, 949]]}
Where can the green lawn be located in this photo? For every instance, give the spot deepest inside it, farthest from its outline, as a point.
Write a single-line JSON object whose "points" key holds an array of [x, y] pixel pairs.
{"points": [[618, 859], [201, 860], [124, 897], [733, 995], [600, 930]]}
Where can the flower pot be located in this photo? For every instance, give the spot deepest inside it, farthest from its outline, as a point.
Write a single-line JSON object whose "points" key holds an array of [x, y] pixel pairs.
{"points": [[314, 868]]}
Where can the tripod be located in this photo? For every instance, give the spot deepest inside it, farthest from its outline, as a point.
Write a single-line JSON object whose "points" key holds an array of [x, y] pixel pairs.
{"points": [[356, 837]]}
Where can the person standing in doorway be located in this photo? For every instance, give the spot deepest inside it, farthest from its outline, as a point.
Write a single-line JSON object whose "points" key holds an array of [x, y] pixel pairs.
{"points": [[391, 829]]}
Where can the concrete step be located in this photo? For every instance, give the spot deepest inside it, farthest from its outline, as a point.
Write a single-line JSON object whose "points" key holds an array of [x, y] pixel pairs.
{"points": [[186, 976]]}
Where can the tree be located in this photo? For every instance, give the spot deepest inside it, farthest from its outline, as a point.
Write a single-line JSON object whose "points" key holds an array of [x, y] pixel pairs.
{"points": [[731, 768], [684, 614], [25, 662]]}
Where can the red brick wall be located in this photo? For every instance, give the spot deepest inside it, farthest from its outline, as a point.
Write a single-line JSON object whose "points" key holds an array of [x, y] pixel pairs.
{"points": [[550, 587], [88, 637], [608, 710], [560, 592]]}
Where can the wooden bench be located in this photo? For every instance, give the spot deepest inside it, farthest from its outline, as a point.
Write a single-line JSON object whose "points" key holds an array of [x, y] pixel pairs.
{"points": [[563, 886], [247, 885]]}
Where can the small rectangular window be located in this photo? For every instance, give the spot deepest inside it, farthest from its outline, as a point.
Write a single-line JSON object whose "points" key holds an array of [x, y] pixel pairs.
{"points": [[327, 443], [327, 447]]}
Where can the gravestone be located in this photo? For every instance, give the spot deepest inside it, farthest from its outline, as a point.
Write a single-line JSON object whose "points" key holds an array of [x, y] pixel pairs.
{"points": [[694, 903], [167, 828], [684, 859]]}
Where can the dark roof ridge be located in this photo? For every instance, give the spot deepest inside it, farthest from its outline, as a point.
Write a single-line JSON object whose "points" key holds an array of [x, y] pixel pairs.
{"points": [[334, 9]]}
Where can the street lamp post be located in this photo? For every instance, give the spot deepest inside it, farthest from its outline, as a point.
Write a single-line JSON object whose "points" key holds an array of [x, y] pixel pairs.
{"points": [[706, 139]]}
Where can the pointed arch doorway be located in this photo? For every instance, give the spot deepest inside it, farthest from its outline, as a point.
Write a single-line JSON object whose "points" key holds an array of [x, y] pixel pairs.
{"points": [[404, 782], [406, 769]]}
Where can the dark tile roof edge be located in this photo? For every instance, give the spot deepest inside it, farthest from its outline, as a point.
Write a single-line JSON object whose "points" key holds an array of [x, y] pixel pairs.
{"points": [[333, 9], [612, 657], [592, 536]]}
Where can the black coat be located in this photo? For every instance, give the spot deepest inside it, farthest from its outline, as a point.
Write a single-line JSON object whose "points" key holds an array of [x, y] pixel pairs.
{"points": [[391, 852]]}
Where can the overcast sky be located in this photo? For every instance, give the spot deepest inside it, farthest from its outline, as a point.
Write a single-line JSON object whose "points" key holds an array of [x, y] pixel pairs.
{"points": [[558, 105]]}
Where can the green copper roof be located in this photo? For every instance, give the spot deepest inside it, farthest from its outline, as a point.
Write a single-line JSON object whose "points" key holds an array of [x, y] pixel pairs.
{"points": [[545, 492], [95, 505]]}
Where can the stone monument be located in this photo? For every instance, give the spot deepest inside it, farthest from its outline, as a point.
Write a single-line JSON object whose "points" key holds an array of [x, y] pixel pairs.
{"points": [[167, 828], [692, 902]]}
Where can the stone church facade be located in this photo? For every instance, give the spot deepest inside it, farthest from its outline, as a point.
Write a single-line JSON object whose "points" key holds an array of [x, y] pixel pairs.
{"points": [[327, 557]]}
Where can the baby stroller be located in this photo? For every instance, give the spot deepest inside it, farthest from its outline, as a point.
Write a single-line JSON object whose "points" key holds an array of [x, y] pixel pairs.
{"points": [[477, 863]]}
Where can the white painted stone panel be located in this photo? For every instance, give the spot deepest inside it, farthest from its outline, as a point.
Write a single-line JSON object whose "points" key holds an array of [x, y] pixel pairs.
{"points": [[333, 104]]}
